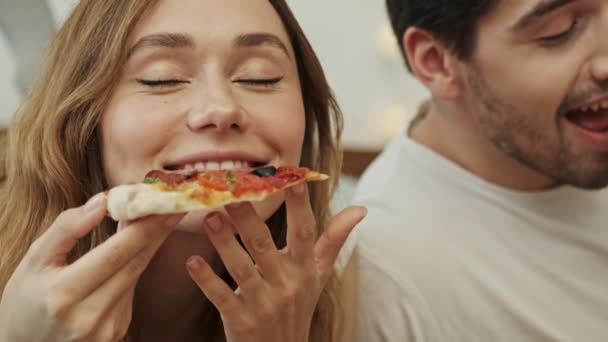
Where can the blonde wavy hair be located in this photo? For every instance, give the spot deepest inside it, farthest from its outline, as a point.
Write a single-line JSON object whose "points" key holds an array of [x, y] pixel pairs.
{"points": [[52, 158]]}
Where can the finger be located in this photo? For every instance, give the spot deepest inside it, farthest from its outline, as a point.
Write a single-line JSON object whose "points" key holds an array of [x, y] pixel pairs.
{"points": [[53, 247], [132, 247], [331, 241], [119, 283], [256, 237], [96, 307], [104, 319], [214, 288], [115, 324], [237, 262], [301, 224]]}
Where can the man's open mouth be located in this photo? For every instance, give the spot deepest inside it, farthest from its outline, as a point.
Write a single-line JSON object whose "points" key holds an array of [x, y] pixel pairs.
{"points": [[593, 118]]}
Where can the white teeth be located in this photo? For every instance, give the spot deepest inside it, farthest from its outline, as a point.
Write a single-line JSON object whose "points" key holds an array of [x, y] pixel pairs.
{"points": [[227, 165], [595, 107], [212, 166]]}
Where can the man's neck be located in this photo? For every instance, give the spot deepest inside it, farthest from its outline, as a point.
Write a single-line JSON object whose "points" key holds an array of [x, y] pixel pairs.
{"points": [[460, 140]]}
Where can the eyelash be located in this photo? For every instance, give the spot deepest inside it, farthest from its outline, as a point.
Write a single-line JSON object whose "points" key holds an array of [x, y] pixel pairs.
{"points": [[170, 82], [267, 82], [160, 83], [563, 36]]}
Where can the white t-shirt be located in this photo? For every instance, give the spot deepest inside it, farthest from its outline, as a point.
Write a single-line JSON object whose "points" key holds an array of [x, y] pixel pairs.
{"points": [[445, 256]]}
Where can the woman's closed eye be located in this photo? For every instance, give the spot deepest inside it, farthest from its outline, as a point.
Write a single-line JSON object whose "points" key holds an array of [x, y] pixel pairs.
{"points": [[262, 82], [161, 82]]}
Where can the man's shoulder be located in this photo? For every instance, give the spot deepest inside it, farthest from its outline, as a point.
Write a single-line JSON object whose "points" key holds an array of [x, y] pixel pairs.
{"points": [[388, 183], [415, 212], [399, 259], [391, 237]]}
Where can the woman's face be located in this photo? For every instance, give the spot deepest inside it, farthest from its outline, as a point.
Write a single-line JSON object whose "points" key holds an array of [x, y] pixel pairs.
{"points": [[208, 84]]}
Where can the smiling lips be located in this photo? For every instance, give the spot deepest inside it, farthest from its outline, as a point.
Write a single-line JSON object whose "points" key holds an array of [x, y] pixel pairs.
{"points": [[214, 160], [214, 165]]}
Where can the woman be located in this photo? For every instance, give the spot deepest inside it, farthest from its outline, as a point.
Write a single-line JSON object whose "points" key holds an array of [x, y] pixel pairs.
{"points": [[136, 85]]}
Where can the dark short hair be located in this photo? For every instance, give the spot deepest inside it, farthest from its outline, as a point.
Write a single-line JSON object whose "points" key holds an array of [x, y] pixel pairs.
{"points": [[453, 22]]}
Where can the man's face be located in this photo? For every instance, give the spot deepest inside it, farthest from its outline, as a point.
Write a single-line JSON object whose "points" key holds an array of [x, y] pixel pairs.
{"points": [[537, 85]]}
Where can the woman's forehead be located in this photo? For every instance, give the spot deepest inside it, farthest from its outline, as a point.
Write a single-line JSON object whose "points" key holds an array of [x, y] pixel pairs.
{"points": [[206, 20]]}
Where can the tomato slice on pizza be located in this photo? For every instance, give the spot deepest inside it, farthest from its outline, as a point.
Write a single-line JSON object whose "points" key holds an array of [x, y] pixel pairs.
{"points": [[172, 193]]}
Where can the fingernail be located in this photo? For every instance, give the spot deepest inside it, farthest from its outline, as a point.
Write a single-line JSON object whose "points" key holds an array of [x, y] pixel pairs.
{"points": [[214, 222], [236, 206], [194, 264], [95, 202], [173, 220], [299, 189], [362, 213], [121, 225]]}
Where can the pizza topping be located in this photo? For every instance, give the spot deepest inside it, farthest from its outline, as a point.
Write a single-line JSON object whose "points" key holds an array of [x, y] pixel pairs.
{"points": [[277, 182], [151, 180], [238, 182], [230, 178], [247, 183], [287, 175], [214, 180], [171, 179], [266, 171], [292, 173]]}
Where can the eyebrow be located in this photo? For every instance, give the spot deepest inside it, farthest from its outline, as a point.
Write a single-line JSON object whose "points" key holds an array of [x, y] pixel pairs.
{"points": [[180, 40], [260, 38], [167, 40], [540, 10]]}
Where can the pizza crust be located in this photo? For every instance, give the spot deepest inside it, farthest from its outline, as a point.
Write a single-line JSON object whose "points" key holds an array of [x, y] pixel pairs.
{"points": [[128, 202]]}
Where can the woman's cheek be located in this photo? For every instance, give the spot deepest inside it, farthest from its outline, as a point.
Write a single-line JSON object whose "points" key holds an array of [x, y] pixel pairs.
{"points": [[133, 131]]}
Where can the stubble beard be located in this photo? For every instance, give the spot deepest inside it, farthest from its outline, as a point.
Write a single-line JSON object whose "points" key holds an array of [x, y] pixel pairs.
{"points": [[515, 134]]}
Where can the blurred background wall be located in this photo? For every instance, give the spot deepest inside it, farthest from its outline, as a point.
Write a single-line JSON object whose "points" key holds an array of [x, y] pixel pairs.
{"points": [[26, 26]]}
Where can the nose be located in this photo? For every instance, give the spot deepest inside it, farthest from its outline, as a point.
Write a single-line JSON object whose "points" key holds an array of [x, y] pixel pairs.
{"points": [[599, 69], [599, 63], [217, 110]]}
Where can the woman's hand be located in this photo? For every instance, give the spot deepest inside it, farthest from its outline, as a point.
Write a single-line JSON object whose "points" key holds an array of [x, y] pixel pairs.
{"points": [[278, 290], [89, 300]]}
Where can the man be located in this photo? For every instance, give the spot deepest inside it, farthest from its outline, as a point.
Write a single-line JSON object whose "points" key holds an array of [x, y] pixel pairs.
{"points": [[487, 219]]}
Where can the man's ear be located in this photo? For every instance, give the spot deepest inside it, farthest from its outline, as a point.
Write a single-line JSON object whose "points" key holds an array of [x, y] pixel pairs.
{"points": [[433, 63]]}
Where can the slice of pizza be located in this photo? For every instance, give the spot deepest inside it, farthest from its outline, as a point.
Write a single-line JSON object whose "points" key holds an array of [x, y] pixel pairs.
{"points": [[172, 193]]}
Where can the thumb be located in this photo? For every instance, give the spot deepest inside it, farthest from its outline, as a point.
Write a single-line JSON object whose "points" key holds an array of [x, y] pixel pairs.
{"points": [[331, 241]]}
